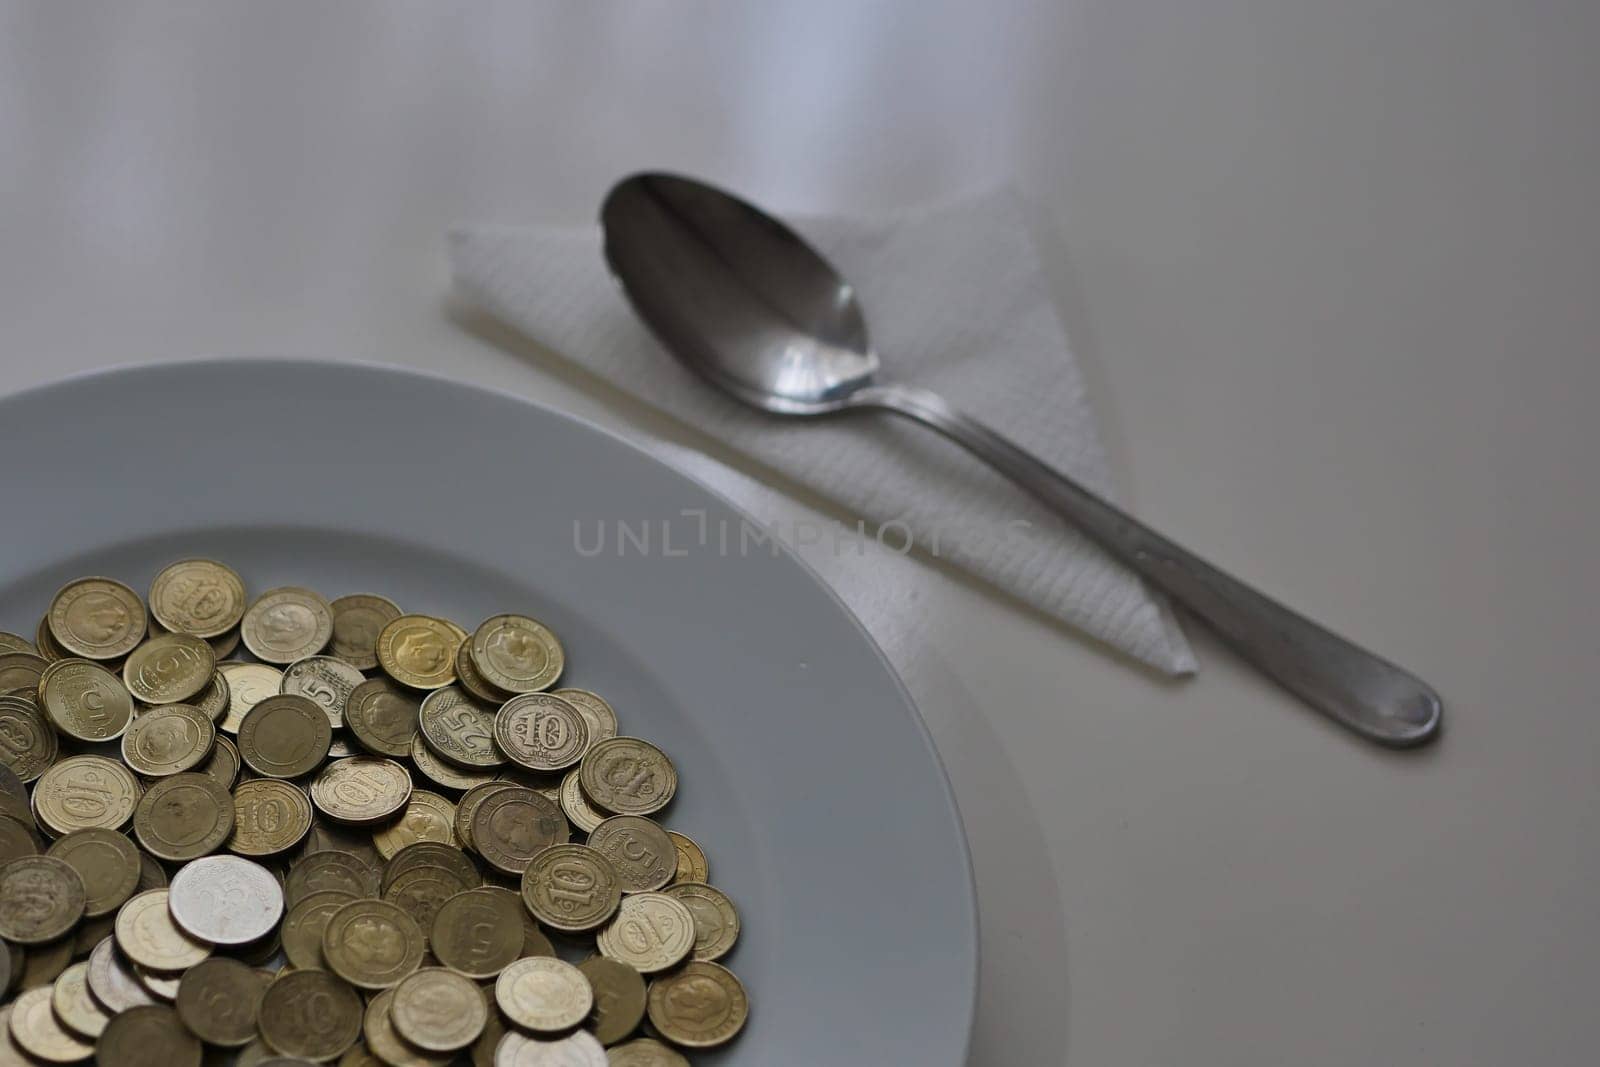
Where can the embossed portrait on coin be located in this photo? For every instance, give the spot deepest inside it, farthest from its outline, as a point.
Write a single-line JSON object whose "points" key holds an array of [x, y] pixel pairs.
{"points": [[283, 625]]}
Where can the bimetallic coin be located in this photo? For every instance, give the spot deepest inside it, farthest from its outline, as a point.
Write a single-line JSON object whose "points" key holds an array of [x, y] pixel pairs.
{"points": [[41, 898], [478, 932], [541, 732], [382, 716], [304, 923], [692, 863], [599, 716], [387, 1045], [619, 998], [287, 624], [269, 816], [716, 921], [148, 1036], [106, 862], [284, 736], [358, 619], [512, 825], [219, 1001], [361, 790], [571, 888], [198, 596], [184, 817], [700, 1006], [579, 1049], [167, 740], [248, 685], [310, 1014], [639, 849], [472, 680], [438, 1010], [37, 1032], [84, 700], [459, 729], [226, 900], [215, 698], [97, 618], [544, 994], [418, 651], [148, 937], [75, 1009], [517, 654], [428, 817], [170, 669], [628, 776], [577, 807], [651, 933], [445, 774], [222, 766], [28, 743], [326, 681], [467, 807], [111, 980], [84, 793], [329, 870], [644, 1052], [372, 944]]}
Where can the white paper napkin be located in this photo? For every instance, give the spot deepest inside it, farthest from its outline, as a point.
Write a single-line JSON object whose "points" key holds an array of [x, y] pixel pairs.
{"points": [[956, 302]]}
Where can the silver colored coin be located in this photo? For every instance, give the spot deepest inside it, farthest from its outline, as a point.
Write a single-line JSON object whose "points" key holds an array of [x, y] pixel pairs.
{"points": [[577, 1049], [226, 900]]}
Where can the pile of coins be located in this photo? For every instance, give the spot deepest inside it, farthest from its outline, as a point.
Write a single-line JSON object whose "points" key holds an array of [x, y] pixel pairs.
{"points": [[363, 843]]}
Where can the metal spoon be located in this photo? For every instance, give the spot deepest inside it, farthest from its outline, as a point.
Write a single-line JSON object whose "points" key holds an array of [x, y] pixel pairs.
{"points": [[743, 300]]}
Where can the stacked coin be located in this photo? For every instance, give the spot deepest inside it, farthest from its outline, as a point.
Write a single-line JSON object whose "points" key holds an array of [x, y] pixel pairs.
{"points": [[350, 839]]}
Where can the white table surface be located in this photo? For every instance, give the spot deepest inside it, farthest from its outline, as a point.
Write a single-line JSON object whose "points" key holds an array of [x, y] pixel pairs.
{"points": [[1332, 268]]}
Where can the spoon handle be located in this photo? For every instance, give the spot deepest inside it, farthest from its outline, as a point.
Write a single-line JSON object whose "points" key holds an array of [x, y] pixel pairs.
{"points": [[1354, 687]]}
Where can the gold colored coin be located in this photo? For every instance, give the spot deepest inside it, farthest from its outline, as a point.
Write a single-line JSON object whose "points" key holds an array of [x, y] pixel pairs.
{"points": [[184, 817], [639, 849], [44, 641], [572, 888], [541, 732], [432, 854], [651, 933], [576, 806], [97, 618], [16, 840], [361, 790], [285, 736], [472, 680], [386, 1044], [477, 932], [310, 1014], [75, 1009], [329, 870], [84, 701], [327, 681], [517, 654], [85, 793], [598, 714], [304, 924], [438, 1010], [10, 642], [372, 944], [248, 685], [198, 596], [222, 766], [422, 891], [358, 619], [619, 998], [219, 1000], [148, 1036], [28, 743], [418, 651], [226, 645], [716, 921], [692, 863], [703, 1005], [510, 826], [459, 729], [628, 776], [168, 739], [428, 817], [107, 863], [544, 994], [215, 698], [382, 716], [445, 774], [326, 835], [37, 1032], [577, 1049], [170, 669], [287, 624], [46, 962], [269, 816], [644, 1052], [467, 807], [147, 935]]}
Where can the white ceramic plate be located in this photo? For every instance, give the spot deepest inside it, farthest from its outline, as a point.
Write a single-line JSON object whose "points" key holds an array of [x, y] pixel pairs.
{"points": [[806, 772]]}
